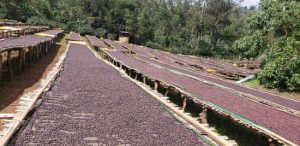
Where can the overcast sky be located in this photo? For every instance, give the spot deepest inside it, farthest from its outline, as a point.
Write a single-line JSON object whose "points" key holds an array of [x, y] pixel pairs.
{"points": [[250, 2]]}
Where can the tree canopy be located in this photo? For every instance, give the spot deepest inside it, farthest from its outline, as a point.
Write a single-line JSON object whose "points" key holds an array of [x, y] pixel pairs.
{"points": [[219, 28], [274, 37]]}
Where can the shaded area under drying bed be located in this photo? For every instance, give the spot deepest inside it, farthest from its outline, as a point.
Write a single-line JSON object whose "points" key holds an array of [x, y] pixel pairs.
{"points": [[92, 104]]}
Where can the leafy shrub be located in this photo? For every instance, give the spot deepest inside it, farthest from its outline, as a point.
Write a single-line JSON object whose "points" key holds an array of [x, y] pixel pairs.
{"points": [[282, 67], [294, 83], [250, 46], [38, 20]]}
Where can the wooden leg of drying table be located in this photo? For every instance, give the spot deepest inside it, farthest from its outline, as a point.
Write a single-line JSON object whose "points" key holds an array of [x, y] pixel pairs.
{"points": [[30, 56], [37, 52], [20, 59], [41, 50], [24, 60], [9, 65], [0, 66]]}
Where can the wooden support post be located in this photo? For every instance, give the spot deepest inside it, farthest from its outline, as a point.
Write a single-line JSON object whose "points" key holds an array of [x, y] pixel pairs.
{"points": [[0, 66], [130, 72], [136, 75], [20, 59], [9, 65], [155, 86], [144, 80], [203, 116], [48, 44], [36, 53], [30, 56], [42, 49], [24, 59], [46, 47], [184, 102], [167, 92]]}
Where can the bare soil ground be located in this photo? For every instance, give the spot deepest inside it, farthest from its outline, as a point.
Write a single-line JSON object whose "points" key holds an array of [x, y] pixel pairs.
{"points": [[10, 91]]}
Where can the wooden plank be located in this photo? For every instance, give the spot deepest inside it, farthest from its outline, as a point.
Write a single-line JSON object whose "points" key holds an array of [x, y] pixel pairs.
{"points": [[6, 116]]}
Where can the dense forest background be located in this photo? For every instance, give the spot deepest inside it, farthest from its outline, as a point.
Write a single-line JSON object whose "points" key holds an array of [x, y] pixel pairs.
{"points": [[217, 28]]}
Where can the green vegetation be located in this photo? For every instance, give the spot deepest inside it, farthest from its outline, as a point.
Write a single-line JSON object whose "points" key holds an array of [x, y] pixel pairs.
{"points": [[274, 37], [179, 26], [252, 83], [219, 28]]}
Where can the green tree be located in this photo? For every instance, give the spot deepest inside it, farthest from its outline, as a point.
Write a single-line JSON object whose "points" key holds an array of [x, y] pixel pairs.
{"points": [[274, 33]]}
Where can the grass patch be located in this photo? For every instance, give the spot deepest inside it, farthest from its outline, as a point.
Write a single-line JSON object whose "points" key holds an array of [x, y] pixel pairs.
{"points": [[255, 84], [252, 83]]}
